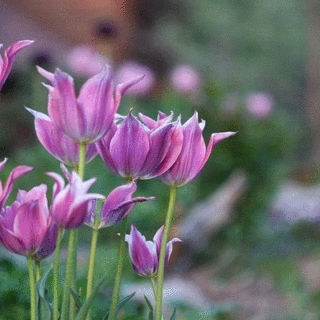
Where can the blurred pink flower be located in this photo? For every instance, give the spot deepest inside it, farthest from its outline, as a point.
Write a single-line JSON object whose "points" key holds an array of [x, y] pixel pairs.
{"points": [[259, 104], [130, 70], [185, 79], [85, 61]]}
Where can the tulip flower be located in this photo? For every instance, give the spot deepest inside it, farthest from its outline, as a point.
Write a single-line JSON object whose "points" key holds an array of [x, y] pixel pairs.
{"points": [[117, 205], [85, 119], [26, 228], [144, 254], [70, 203], [194, 153], [14, 175], [9, 56], [132, 150], [57, 143]]}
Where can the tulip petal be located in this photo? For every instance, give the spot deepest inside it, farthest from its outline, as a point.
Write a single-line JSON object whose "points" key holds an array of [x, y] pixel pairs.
{"points": [[30, 225], [142, 253], [63, 108], [9, 57], [96, 99], [14, 175], [129, 147]]}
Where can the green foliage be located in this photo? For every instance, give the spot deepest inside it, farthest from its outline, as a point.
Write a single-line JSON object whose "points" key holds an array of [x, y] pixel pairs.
{"points": [[14, 294]]}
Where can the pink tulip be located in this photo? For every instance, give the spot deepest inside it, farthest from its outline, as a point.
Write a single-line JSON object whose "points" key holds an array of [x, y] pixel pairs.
{"points": [[85, 119], [194, 153], [26, 228], [144, 254], [70, 203], [132, 150], [117, 205], [57, 143]]}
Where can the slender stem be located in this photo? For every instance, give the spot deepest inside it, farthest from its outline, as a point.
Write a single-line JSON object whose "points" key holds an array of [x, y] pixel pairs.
{"points": [[65, 314], [166, 231], [154, 287], [117, 280], [82, 159], [73, 283], [38, 271], [73, 251], [55, 288], [94, 240], [32, 284]]}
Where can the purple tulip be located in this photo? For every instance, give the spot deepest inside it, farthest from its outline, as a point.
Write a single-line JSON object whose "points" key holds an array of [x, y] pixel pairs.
{"points": [[132, 150], [194, 153], [26, 228], [57, 143], [70, 203], [85, 119], [9, 56], [14, 175], [117, 205], [144, 254]]}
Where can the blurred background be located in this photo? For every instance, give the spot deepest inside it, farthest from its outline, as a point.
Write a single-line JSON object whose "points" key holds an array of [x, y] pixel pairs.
{"points": [[250, 222]]}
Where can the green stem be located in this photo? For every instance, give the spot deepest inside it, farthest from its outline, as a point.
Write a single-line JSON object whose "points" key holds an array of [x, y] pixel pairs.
{"points": [[55, 280], [166, 231], [72, 251], [117, 280], [32, 284], [38, 272], [70, 274], [82, 159], [93, 249], [154, 287]]}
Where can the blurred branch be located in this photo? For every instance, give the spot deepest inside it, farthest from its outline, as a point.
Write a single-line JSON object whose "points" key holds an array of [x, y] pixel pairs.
{"points": [[207, 217]]}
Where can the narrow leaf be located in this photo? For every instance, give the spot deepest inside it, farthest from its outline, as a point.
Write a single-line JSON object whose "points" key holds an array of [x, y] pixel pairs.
{"points": [[150, 308], [123, 301], [173, 317], [76, 298], [120, 304], [44, 313], [82, 314]]}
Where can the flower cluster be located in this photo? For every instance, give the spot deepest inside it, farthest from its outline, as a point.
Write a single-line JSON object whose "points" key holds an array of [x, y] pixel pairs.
{"points": [[77, 128]]}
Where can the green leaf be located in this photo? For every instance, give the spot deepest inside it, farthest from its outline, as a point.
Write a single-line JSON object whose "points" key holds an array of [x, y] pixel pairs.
{"points": [[173, 317], [76, 298], [82, 314], [120, 304], [45, 307], [150, 308], [123, 301]]}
